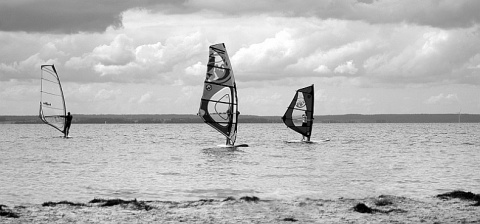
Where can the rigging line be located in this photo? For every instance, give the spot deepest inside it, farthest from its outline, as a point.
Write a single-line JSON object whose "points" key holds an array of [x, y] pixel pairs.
{"points": [[218, 84], [220, 67], [216, 101], [53, 108], [221, 113], [51, 72], [294, 108], [295, 119], [55, 82], [218, 50], [50, 93]]}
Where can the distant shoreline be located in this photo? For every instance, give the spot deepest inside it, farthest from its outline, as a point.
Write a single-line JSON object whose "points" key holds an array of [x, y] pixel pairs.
{"points": [[190, 118]]}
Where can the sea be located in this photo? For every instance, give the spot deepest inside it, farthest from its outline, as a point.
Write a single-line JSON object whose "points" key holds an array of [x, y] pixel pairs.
{"points": [[178, 162]]}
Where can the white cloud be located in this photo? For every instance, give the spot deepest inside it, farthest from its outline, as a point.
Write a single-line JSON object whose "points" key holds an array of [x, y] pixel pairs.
{"points": [[322, 69], [346, 68], [344, 44], [145, 98], [442, 99], [270, 55], [197, 69], [105, 95]]}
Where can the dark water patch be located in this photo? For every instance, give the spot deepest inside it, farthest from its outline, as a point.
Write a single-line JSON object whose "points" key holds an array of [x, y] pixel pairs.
{"points": [[200, 202], [229, 199], [138, 205], [290, 219], [53, 204], [461, 195], [363, 208], [250, 199], [7, 213]]}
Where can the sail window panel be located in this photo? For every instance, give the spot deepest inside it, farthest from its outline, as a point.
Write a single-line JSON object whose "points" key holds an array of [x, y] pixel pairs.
{"points": [[219, 107], [300, 104], [297, 117]]}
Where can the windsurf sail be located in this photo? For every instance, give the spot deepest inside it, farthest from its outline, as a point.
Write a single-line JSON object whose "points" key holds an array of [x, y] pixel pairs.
{"points": [[52, 101], [218, 106], [299, 114]]}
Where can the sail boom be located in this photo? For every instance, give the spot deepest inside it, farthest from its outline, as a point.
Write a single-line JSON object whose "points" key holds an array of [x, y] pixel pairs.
{"points": [[297, 109]]}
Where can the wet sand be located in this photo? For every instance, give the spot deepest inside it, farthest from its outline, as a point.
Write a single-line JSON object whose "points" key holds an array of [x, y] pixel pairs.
{"points": [[452, 207]]}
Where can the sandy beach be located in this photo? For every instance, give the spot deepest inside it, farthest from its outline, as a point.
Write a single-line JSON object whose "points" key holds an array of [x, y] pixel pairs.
{"points": [[452, 207]]}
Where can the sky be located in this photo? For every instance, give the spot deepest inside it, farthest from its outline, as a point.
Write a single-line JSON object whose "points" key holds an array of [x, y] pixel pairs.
{"points": [[149, 57]]}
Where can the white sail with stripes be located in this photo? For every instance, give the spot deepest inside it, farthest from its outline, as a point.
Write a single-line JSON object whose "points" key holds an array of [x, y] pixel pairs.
{"points": [[52, 101]]}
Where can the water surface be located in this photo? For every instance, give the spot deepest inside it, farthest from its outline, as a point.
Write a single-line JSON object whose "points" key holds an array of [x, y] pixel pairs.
{"points": [[183, 162]]}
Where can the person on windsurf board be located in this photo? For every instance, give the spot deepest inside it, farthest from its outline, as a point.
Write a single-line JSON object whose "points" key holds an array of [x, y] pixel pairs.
{"points": [[68, 122]]}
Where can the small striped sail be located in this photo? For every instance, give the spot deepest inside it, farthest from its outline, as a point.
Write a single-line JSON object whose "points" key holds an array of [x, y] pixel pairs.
{"points": [[218, 106], [52, 101], [299, 114]]}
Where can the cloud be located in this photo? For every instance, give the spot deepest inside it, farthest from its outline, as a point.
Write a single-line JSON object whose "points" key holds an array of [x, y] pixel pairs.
{"points": [[435, 13], [322, 69], [145, 98], [346, 68], [442, 99], [122, 61], [270, 56], [104, 95], [70, 16], [197, 69]]}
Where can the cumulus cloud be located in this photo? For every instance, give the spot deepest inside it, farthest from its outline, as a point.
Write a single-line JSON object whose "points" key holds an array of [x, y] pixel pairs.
{"points": [[145, 98], [69, 16], [346, 68], [197, 69], [442, 99], [104, 94], [122, 61], [443, 13]]}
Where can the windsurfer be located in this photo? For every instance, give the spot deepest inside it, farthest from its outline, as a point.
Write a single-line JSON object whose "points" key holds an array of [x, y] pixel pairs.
{"points": [[304, 120], [68, 122]]}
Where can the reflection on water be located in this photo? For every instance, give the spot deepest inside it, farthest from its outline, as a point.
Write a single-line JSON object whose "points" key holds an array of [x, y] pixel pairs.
{"points": [[183, 161]]}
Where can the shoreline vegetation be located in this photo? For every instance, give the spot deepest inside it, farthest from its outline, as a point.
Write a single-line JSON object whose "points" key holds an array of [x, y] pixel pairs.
{"points": [[451, 207], [190, 118]]}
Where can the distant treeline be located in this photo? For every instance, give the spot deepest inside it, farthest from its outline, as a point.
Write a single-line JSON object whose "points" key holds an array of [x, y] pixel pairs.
{"points": [[190, 118]]}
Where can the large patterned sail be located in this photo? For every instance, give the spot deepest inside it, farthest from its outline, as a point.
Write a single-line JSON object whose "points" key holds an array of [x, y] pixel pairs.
{"points": [[218, 106], [52, 102], [299, 115]]}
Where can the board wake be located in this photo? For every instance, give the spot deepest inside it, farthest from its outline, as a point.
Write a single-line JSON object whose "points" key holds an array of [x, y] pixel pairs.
{"points": [[233, 146], [307, 142]]}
